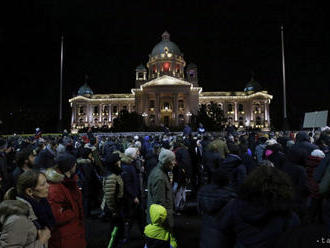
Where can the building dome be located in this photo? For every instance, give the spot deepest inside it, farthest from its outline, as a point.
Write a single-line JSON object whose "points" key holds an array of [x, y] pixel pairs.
{"points": [[164, 45], [141, 68], [85, 90], [252, 86]]}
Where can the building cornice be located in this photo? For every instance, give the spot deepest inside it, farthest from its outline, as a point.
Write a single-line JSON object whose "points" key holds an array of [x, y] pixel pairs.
{"points": [[239, 95]]}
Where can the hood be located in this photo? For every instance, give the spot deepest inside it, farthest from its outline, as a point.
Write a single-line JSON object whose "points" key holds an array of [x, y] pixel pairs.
{"points": [[211, 198], [53, 176], [158, 214], [13, 207], [83, 161], [126, 159], [232, 161], [302, 136]]}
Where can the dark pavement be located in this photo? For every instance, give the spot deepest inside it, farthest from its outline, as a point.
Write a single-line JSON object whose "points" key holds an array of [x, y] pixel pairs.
{"points": [[186, 231]]}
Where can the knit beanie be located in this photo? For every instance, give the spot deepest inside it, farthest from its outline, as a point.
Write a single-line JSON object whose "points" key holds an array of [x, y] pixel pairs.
{"points": [[166, 156], [318, 153], [131, 152], [65, 162]]}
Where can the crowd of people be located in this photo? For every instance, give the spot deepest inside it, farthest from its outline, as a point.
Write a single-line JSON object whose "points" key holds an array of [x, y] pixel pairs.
{"points": [[252, 188]]}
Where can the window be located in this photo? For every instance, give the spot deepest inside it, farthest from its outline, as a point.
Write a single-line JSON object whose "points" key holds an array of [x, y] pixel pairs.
{"points": [[81, 110], [240, 108], [96, 109], [241, 124], [140, 75], [191, 73], [152, 119], [177, 68], [181, 104], [166, 106], [95, 120], [124, 107], [115, 109], [81, 120], [152, 104], [181, 119], [154, 69], [230, 107], [166, 66], [220, 105], [258, 121]]}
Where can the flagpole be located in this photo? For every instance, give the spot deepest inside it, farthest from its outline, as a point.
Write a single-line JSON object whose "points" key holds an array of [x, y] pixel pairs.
{"points": [[284, 83], [61, 81]]}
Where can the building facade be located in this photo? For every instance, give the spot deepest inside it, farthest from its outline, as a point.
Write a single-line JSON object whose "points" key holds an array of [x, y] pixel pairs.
{"points": [[167, 92]]}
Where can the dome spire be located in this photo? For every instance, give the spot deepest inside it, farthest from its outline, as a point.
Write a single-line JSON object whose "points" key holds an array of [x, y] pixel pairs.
{"points": [[166, 36]]}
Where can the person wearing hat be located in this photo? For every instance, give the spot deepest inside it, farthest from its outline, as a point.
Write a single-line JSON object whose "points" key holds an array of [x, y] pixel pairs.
{"points": [[4, 177], [159, 186], [113, 188], [66, 202]]}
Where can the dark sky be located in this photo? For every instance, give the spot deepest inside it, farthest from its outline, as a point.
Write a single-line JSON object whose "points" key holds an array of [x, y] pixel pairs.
{"points": [[108, 39]]}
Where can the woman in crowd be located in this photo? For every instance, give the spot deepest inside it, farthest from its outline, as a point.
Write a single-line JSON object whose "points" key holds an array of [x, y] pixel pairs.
{"points": [[17, 229], [261, 212], [32, 189], [66, 203]]}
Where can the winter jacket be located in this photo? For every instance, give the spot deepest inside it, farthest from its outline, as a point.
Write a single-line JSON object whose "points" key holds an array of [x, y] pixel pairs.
{"points": [[311, 164], [130, 178], [321, 169], [113, 192], [303, 142], [252, 226], [18, 230], [182, 172], [260, 149], [160, 192], [211, 199], [151, 160], [157, 236], [235, 170], [4, 177], [66, 202]]}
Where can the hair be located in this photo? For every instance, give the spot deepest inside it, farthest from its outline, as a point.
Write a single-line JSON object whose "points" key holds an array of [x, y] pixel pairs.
{"points": [[268, 187], [23, 155], [219, 177], [28, 179]]}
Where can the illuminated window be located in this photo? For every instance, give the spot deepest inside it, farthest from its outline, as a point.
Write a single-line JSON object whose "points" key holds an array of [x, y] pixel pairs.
{"points": [[166, 66], [166, 106], [177, 68]]}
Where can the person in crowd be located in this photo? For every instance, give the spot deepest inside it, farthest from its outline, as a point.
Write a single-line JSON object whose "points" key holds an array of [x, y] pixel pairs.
{"points": [[201, 129], [260, 149], [233, 167], [314, 198], [156, 233], [46, 157], [303, 141], [25, 161], [261, 212], [4, 176], [66, 202], [159, 186], [211, 199], [17, 229], [187, 131], [212, 159], [32, 189], [132, 201], [114, 195], [182, 174], [151, 159]]}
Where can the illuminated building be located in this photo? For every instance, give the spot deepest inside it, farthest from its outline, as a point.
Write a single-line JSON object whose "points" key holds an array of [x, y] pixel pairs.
{"points": [[167, 92]]}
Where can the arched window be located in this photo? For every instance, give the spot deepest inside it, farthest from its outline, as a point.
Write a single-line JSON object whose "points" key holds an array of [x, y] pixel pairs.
{"points": [[241, 123], [81, 120], [166, 66], [220, 105], [81, 110], [166, 106], [95, 120]]}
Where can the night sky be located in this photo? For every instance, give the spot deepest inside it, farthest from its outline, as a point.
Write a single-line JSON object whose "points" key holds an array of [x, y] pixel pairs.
{"points": [[107, 40]]}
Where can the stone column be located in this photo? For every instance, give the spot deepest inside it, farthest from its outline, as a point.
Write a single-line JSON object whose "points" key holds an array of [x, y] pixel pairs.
{"points": [[235, 103], [100, 113]]}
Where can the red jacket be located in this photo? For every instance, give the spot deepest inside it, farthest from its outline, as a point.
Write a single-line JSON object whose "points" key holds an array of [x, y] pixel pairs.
{"points": [[66, 202]]}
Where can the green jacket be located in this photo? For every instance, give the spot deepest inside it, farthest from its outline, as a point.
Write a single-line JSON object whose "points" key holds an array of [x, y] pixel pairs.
{"points": [[156, 232], [160, 192]]}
